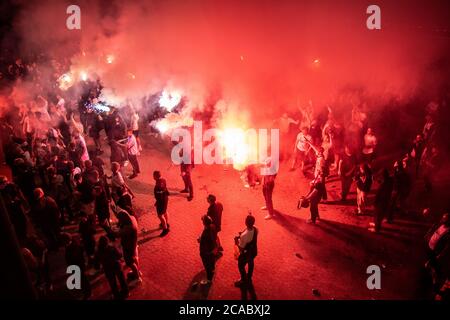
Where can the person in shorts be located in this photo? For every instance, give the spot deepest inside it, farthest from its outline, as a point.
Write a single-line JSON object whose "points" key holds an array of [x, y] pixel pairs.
{"points": [[162, 199]]}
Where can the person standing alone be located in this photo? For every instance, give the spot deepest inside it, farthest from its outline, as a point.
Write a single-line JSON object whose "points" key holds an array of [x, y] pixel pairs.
{"points": [[268, 186], [162, 199], [363, 185], [208, 242]]}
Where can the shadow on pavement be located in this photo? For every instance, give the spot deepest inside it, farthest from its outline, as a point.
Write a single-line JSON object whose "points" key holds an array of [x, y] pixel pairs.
{"points": [[248, 292], [197, 291], [146, 237], [293, 225]]}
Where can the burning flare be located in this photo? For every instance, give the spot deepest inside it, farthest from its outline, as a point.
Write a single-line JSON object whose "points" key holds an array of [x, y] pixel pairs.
{"points": [[65, 81], [169, 100], [172, 121], [83, 76], [236, 147]]}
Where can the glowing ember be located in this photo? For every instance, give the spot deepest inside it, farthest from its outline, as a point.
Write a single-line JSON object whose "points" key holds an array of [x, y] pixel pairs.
{"points": [[162, 126], [172, 121], [101, 107], [169, 100], [110, 58], [83, 76]]}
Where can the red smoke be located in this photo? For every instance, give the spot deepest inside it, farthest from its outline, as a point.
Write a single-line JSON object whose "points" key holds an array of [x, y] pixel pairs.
{"points": [[260, 54]]}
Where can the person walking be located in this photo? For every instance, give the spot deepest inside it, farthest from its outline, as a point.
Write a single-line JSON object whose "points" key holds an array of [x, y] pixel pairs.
{"points": [[363, 184]]}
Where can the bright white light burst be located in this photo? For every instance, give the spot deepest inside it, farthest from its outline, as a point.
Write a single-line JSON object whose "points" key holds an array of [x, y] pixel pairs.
{"points": [[169, 100]]}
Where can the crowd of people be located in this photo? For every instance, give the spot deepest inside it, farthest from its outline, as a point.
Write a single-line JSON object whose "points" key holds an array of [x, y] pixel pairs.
{"points": [[57, 181], [349, 151]]}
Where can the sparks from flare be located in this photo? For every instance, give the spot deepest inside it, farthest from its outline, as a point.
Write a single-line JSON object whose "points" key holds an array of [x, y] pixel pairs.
{"points": [[65, 81], [169, 100], [233, 141], [83, 76], [162, 126]]}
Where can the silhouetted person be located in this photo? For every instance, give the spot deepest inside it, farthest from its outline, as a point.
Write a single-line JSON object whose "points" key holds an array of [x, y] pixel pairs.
{"points": [[346, 171], [47, 217], [208, 243], [437, 243], [382, 200], [215, 210], [268, 186], [128, 234], [109, 258], [402, 188], [416, 151], [101, 202], [15, 202], [186, 175]]}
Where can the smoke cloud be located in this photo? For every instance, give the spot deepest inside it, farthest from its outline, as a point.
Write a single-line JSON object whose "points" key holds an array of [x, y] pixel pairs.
{"points": [[254, 57]]}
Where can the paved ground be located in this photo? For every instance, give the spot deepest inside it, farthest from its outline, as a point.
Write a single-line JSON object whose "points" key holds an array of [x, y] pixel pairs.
{"points": [[294, 257]]}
